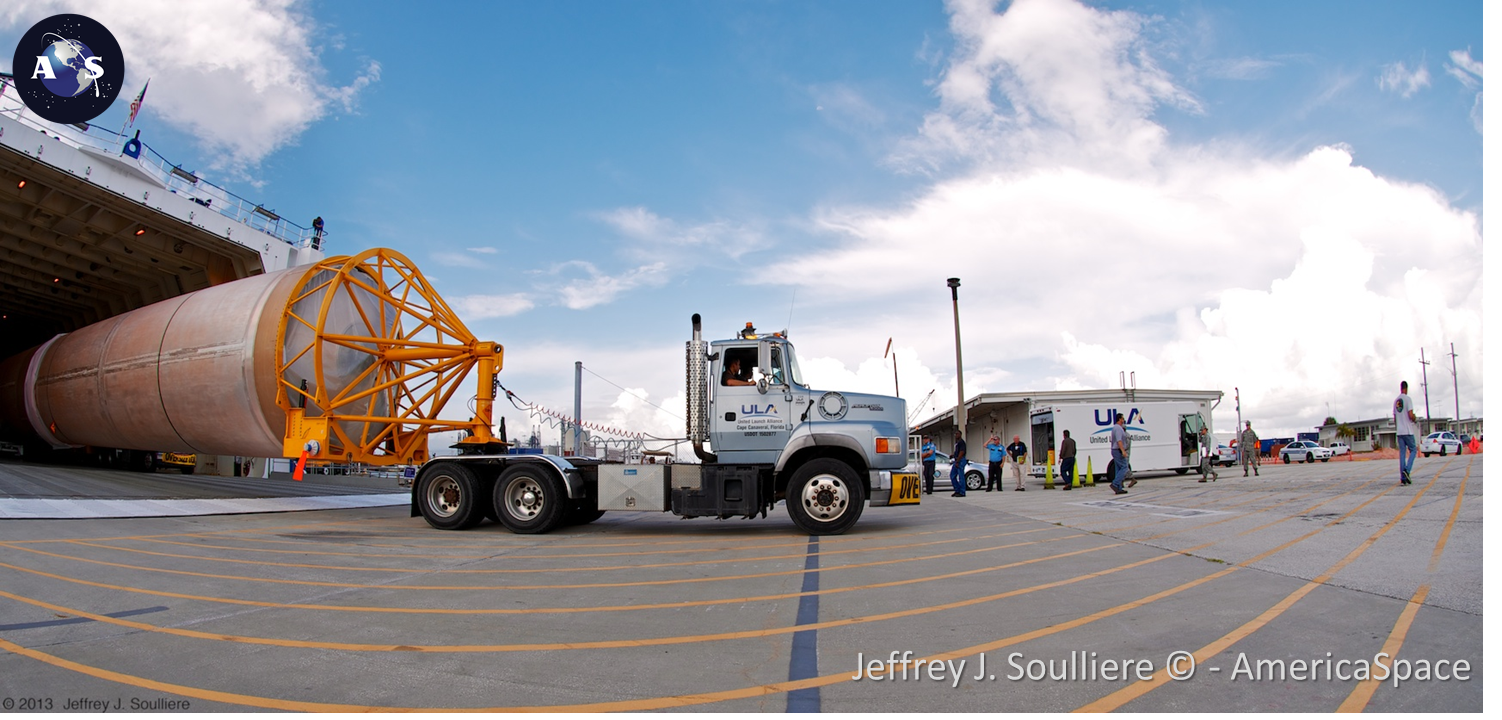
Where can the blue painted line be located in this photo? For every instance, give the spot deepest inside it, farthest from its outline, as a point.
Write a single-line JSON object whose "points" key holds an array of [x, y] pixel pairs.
{"points": [[804, 662], [75, 621]]}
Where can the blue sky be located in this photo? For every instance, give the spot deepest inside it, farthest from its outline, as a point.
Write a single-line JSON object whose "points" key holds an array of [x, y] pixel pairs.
{"points": [[1280, 196]]}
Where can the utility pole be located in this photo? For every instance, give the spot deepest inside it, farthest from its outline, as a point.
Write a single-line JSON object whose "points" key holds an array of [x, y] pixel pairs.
{"points": [[897, 389], [959, 363], [1455, 379], [1425, 363]]}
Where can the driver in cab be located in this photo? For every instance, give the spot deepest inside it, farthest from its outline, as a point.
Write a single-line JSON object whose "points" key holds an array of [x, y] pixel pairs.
{"points": [[733, 374]]}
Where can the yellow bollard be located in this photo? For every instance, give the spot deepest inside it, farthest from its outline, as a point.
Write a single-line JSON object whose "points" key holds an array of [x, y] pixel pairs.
{"points": [[1076, 479], [1090, 471]]}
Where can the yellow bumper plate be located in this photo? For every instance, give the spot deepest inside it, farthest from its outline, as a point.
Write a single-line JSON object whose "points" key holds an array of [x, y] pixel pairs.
{"points": [[905, 489]]}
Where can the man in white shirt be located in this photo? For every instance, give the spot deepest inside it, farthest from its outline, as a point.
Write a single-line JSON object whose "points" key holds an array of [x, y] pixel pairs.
{"points": [[1408, 431]]}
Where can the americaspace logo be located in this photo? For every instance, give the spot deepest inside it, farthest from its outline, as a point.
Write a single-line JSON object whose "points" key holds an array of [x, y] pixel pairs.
{"points": [[68, 68]]}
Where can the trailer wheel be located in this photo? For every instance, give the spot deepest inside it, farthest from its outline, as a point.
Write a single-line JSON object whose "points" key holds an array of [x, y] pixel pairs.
{"points": [[449, 497], [1181, 471], [530, 499], [825, 497]]}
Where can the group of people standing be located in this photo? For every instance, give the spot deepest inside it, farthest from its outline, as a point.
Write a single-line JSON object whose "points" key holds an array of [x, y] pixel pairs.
{"points": [[998, 455], [1249, 446], [1119, 469]]}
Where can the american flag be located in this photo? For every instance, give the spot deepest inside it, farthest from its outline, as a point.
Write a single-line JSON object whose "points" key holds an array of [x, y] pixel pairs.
{"points": [[135, 105]]}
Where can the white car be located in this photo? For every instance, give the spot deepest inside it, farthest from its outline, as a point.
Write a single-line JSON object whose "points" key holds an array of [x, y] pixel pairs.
{"points": [[1442, 443], [1224, 455], [1306, 451], [1339, 448], [975, 475]]}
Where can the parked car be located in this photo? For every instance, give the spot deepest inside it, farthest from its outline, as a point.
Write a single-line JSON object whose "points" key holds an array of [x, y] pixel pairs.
{"points": [[1306, 451], [1339, 448], [1224, 455], [975, 474], [1442, 443]]}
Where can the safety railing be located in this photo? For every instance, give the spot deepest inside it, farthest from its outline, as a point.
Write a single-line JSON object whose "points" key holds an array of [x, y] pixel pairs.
{"points": [[187, 184]]}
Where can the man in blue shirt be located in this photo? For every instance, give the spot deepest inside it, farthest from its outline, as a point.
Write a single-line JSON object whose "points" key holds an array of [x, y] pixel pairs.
{"points": [[1121, 452], [957, 466], [928, 458], [993, 470]]}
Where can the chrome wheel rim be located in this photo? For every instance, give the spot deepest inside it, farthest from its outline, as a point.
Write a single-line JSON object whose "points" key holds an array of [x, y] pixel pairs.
{"points": [[444, 495], [825, 498], [524, 498]]}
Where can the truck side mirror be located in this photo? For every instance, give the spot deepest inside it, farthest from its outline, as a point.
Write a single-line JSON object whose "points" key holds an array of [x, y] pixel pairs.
{"points": [[761, 384]]}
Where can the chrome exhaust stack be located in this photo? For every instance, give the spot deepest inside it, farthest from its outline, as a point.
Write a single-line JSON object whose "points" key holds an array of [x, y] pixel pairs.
{"points": [[698, 392]]}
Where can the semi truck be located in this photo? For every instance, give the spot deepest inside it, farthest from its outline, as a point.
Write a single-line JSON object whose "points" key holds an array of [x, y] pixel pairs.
{"points": [[352, 359], [761, 434], [1165, 434]]}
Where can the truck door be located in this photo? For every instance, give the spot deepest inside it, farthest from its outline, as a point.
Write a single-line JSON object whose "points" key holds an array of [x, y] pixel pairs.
{"points": [[1042, 441], [756, 417], [1189, 434]]}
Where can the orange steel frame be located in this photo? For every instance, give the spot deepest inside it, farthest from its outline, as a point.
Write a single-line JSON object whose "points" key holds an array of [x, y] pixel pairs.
{"points": [[415, 377]]}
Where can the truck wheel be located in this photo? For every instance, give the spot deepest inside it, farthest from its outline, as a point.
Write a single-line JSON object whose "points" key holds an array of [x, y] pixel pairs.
{"points": [[140, 461], [530, 500], [975, 481], [580, 515], [825, 497], [449, 497]]}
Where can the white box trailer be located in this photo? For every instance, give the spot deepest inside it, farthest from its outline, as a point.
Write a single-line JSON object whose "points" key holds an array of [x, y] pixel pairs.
{"points": [[1164, 433]]}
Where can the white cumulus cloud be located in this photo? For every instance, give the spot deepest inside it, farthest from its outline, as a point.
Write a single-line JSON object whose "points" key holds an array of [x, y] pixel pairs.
{"points": [[1090, 243], [243, 77]]}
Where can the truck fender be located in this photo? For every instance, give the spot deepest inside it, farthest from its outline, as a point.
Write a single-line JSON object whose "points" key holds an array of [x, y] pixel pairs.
{"points": [[807, 440]]}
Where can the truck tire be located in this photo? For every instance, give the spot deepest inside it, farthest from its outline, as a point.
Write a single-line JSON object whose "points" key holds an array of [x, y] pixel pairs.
{"points": [[580, 515], [825, 497], [530, 499], [450, 497]]}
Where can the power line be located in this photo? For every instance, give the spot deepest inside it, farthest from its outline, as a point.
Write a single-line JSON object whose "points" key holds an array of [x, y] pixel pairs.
{"points": [[632, 394]]}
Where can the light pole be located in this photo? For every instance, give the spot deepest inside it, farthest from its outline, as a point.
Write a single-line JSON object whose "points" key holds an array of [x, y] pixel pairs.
{"points": [[897, 389], [959, 362]]}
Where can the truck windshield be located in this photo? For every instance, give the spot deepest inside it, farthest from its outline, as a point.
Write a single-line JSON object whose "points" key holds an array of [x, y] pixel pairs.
{"points": [[791, 361]]}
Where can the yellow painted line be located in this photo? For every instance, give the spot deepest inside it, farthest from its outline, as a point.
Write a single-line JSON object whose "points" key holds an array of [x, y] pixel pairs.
{"points": [[659, 703], [563, 610], [1160, 521], [602, 644], [697, 539], [1362, 694], [1281, 520], [801, 542], [1115, 700], [299, 526], [1257, 511], [495, 571], [676, 701]]}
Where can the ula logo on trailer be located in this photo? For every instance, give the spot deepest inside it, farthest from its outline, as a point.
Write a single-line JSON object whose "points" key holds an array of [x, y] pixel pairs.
{"points": [[68, 68]]}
